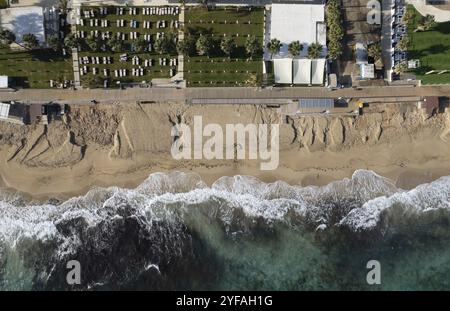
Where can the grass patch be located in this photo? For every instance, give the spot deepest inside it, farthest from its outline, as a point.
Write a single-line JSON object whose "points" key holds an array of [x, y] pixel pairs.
{"points": [[218, 69], [432, 48], [155, 71], [35, 69]]}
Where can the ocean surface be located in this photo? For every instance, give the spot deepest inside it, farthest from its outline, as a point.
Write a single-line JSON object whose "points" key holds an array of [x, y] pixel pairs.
{"points": [[175, 232]]}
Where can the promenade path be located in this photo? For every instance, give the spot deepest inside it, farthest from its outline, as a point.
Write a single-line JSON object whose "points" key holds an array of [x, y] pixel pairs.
{"points": [[186, 94]]}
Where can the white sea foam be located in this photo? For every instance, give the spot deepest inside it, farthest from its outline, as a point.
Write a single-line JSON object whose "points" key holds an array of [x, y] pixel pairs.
{"points": [[424, 198], [357, 202]]}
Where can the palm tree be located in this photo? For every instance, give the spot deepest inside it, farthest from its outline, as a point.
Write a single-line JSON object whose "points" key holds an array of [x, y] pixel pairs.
{"points": [[295, 48], [164, 45], [92, 81], [400, 68], [273, 46], [408, 16], [30, 41], [428, 22], [204, 3], [334, 49], [203, 45], [374, 51], [93, 43], [62, 5], [115, 45], [254, 80], [403, 43], [139, 45], [71, 41], [7, 36], [227, 46], [252, 46], [54, 42], [335, 29], [314, 50], [185, 47]]}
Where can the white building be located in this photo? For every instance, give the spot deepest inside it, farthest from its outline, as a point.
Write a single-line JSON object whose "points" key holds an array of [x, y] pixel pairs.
{"points": [[4, 83], [304, 23], [24, 20], [298, 22]]}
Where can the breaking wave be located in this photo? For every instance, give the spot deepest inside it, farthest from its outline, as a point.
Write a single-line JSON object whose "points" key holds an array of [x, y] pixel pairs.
{"points": [[175, 232]]}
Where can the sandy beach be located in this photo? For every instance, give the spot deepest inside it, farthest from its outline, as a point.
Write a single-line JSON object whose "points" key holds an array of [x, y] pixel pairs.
{"points": [[122, 145]]}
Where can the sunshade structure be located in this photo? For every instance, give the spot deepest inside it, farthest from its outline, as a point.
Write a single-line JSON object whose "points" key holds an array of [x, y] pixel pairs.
{"points": [[317, 70], [283, 70], [302, 71], [299, 71]]}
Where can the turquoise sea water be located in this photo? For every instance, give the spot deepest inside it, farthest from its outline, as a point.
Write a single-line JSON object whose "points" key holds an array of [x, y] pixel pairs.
{"points": [[174, 232]]}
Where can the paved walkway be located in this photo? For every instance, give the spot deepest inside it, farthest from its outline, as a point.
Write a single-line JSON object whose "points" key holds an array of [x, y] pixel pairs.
{"points": [[440, 16], [386, 37], [76, 68], [266, 35], [185, 95], [180, 73]]}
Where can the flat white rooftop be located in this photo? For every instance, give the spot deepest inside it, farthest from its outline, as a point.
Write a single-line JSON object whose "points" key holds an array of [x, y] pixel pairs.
{"points": [[299, 71], [4, 110], [24, 20], [283, 70], [302, 22], [302, 71], [3, 82]]}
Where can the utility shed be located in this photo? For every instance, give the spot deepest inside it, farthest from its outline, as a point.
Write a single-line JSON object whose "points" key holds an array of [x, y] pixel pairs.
{"points": [[4, 110], [4, 82], [14, 113], [315, 104]]}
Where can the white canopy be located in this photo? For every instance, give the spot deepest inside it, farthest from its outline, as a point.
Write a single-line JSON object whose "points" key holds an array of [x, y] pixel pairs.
{"points": [[283, 70], [317, 70], [3, 82], [302, 71]]}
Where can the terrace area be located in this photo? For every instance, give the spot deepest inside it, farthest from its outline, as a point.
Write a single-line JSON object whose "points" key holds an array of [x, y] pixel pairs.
{"points": [[217, 69], [357, 30], [129, 26], [431, 48], [34, 68]]}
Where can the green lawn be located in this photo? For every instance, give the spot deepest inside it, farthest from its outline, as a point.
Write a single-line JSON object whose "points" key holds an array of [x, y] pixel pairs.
{"points": [[432, 48], [156, 71], [35, 69], [218, 69]]}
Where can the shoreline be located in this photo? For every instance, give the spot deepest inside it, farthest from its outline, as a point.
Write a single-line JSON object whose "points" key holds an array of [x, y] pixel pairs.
{"points": [[122, 145], [66, 186]]}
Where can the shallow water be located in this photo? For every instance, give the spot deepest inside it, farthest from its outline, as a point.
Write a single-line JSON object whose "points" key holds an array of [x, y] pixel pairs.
{"points": [[174, 232]]}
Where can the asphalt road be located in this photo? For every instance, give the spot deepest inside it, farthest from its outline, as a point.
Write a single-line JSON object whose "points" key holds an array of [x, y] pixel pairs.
{"points": [[172, 94]]}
